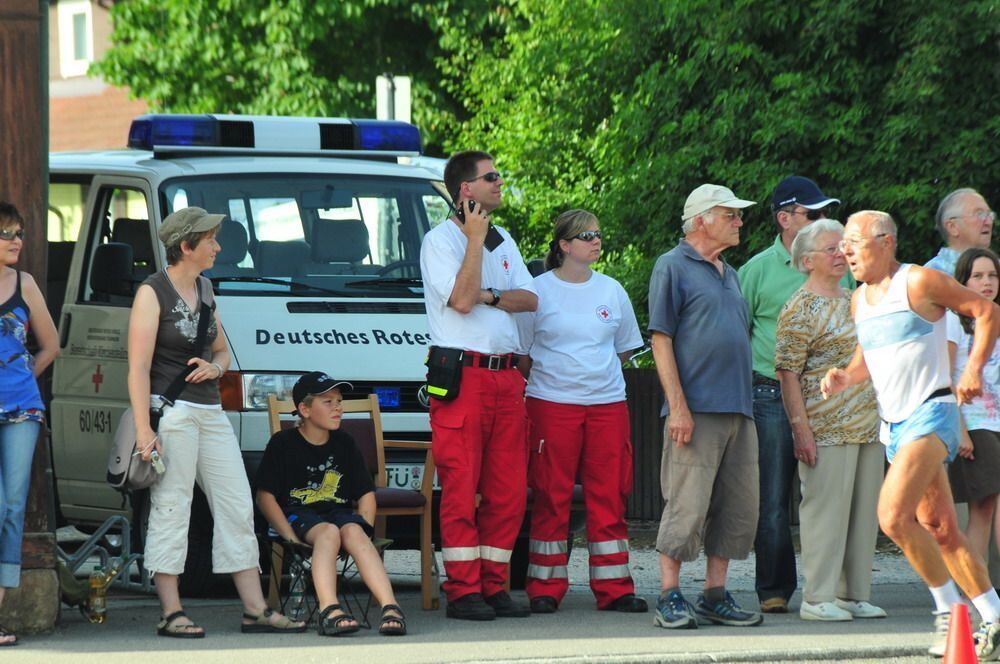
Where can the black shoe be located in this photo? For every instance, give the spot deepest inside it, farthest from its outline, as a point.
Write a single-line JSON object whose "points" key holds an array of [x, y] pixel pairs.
{"points": [[505, 606], [628, 604], [544, 604], [470, 607]]}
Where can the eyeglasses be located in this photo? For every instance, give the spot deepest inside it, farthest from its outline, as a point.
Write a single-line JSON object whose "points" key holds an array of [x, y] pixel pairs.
{"points": [[9, 234], [490, 177], [829, 251], [811, 215], [982, 216], [587, 236], [730, 216], [857, 242]]}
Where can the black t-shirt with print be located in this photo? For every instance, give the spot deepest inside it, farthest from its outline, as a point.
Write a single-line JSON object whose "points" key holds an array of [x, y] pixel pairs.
{"points": [[301, 475]]}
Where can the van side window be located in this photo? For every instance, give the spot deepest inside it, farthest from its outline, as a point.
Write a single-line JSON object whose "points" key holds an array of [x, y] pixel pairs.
{"points": [[67, 201], [121, 249]]}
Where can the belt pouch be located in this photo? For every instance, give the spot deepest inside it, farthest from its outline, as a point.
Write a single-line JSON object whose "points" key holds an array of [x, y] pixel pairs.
{"points": [[444, 372]]}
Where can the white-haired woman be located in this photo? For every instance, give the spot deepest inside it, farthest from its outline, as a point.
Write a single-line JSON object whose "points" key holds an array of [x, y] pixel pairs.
{"points": [[194, 436], [584, 327], [840, 464]]}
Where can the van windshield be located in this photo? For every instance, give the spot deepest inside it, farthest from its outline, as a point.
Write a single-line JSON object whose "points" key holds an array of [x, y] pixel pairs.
{"points": [[314, 235]]}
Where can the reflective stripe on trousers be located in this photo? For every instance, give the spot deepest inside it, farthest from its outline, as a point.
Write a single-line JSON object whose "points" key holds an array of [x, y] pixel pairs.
{"points": [[459, 553], [610, 572], [608, 547], [547, 548], [544, 572]]}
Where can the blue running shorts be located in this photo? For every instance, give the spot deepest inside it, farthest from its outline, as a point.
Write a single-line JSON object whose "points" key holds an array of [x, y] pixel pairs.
{"points": [[931, 417]]}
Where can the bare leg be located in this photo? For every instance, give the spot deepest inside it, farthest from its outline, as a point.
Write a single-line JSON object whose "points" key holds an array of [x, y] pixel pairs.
{"points": [[670, 572], [325, 539], [170, 602], [370, 565], [916, 488], [980, 523], [715, 572]]}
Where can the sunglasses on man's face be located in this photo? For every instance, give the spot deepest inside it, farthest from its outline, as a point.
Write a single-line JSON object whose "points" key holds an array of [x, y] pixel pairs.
{"points": [[811, 215], [490, 177], [11, 233], [587, 236]]}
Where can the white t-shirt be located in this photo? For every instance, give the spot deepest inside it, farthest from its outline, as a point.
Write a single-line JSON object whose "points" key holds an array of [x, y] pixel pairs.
{"points": [[984, 411], [485, 329], [574, 339]]}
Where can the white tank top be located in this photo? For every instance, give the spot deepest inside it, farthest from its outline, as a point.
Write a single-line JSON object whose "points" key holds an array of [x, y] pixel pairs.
{"points": [[906, 354]]}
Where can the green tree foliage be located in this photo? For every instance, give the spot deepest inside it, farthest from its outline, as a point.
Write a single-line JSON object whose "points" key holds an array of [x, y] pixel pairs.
{"points": [[625, 107], [294, 57]]}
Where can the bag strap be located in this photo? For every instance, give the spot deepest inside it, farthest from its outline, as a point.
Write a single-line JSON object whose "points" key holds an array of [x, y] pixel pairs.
{"points": [[179, 383]]}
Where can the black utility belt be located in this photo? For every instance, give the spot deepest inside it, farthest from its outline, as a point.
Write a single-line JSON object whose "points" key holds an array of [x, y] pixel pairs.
{"points": [[444, 368], [491, 362]]}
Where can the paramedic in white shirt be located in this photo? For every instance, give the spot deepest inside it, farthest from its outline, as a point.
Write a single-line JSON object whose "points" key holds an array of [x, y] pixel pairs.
{"points": [[576, 341]]}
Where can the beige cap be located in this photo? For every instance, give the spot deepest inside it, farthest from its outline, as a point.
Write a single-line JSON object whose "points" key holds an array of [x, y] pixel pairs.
{"points": [[187, 220], [707, 196]]}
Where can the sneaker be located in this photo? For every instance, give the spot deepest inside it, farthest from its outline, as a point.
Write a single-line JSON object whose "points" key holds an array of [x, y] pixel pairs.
{"points": [[824, 611], [987, 639], [861, 609], [774, 605], [470, 607], [726, 612], [674, 612], [940, 643], [505, 606]]}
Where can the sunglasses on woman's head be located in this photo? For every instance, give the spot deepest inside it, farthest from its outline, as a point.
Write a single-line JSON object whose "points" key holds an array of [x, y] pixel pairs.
{"points": [[587, 236], [11, 233]]}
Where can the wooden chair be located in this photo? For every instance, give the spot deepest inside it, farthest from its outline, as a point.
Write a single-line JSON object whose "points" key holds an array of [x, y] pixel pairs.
{"points": [[367, 434]]}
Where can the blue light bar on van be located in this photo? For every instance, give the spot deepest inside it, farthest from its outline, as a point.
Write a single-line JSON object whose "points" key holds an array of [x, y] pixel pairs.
{"points": [[272, 134]]}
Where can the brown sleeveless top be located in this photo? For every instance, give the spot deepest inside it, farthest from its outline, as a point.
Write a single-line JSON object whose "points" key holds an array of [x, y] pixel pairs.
{"points": [[175, 340]]}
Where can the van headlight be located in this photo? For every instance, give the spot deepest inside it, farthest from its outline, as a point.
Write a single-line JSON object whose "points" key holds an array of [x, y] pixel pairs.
{"points": [[257, 387]]}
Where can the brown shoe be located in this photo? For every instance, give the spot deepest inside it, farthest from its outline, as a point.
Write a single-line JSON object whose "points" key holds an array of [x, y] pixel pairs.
{"points": [[774, 605]]}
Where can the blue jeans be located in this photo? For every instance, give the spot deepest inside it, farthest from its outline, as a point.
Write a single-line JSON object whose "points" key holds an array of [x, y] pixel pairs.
{"points": [[776, 575], [17, 449]]}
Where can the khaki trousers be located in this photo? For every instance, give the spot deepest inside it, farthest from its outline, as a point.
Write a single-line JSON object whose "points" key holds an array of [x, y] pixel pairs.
{"points": [[838, 521]]}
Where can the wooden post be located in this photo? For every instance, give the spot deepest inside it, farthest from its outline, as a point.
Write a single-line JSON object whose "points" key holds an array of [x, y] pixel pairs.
{"points": [[34, 606]]}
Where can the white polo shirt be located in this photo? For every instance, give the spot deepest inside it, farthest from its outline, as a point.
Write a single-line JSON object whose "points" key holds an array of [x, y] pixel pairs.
{"points": [[485, 329], [574, 339]]}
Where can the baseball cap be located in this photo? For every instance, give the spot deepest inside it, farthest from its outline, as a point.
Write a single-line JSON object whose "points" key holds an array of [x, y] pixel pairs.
{"points": [[707, 196], [315, 383], [187, 220], [798, 190]]}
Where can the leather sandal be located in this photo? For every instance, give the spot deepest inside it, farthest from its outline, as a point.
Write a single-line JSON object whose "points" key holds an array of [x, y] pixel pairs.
{"points": [[328, 625], [4, 633], [386, 627], [166, 627], [262, 624]]}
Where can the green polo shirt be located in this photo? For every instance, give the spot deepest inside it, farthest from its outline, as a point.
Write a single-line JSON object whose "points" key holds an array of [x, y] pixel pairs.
{"points": [[767, 281]]}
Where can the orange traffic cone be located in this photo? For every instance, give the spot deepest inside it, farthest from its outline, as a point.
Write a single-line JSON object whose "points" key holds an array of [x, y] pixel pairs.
{"points": [[960, 648]]}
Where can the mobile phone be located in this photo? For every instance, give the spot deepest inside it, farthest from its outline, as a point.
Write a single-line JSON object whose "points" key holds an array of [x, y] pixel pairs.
{"points": [[493, 237], [460, 210]]}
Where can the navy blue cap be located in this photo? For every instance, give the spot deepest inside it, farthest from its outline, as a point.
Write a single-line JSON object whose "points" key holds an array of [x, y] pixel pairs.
{"points": [[797, 190], [315, 383]]}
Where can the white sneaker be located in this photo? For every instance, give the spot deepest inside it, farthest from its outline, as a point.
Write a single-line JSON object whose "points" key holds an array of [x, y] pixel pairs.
{"points": [[987, 640], [940, 643], [860, 609], [825, 611]]}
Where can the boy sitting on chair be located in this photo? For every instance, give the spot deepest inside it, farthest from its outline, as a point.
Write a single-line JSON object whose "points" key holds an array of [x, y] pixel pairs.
{"points": [[307, 480]]}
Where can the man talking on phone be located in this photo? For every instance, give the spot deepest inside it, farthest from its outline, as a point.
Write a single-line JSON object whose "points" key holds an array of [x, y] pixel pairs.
{"points": [[474, 280]]}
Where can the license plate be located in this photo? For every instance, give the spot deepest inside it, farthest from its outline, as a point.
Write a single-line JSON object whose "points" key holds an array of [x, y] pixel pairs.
{"points": [[388, 397], [406, 476]]}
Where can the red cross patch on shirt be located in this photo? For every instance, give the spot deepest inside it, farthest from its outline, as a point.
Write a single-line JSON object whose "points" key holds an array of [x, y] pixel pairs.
{"points": [[603, 313]]}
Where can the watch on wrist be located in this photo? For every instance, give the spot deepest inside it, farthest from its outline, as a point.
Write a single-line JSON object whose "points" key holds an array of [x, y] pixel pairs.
{"points": [[496, 297]]}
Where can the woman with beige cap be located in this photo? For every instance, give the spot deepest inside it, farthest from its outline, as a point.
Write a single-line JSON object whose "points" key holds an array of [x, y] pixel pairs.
{"points": [[193, 436]]}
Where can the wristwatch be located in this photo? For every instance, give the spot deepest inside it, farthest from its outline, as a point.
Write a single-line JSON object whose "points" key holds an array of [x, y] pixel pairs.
{"points": [[496, 297]]}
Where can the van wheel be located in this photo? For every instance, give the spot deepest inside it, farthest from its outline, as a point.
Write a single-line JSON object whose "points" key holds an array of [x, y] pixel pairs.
{"points": [[196, 581]]}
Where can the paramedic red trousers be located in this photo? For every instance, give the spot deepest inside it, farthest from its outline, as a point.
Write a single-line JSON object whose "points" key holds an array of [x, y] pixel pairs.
{"points": [[591, 442], [480, 446]]}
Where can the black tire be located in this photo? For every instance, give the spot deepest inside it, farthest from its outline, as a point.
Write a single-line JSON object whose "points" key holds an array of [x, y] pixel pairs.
{"points": [[196, 581]]}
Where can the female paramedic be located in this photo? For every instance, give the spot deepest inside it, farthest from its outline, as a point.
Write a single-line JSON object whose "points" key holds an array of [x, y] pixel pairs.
{"points": [[194, 437], [22, 413], [575, 342]]}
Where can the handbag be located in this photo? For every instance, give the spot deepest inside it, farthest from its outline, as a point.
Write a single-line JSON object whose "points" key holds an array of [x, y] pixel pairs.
{"points": [[127, 471]]}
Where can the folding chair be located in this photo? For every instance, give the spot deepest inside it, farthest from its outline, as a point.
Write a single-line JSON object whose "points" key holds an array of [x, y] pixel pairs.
{"points": [[367, 434]]}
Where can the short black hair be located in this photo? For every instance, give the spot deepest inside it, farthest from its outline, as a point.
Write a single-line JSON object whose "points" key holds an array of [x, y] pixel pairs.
{"points": [[460, 168], [9, 216]]}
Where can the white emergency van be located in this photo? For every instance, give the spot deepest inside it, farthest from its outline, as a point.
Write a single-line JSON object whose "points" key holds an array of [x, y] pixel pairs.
{"points": [[318, 270]]}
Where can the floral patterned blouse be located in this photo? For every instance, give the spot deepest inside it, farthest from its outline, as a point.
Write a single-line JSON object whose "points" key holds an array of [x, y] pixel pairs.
{"points": [[816, 333]]}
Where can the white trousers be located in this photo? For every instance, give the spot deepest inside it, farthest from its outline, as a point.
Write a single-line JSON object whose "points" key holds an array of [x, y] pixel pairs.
{"points": [[199, 445]]}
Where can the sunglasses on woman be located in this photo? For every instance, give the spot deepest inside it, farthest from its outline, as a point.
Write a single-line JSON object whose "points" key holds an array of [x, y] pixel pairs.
{"points": [[9, 234], [587, 236]]}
